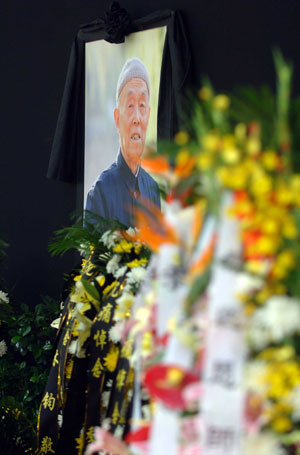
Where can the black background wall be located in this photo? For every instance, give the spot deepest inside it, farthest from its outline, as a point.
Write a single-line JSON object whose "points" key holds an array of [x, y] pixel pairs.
{"points": [[231, 41]]}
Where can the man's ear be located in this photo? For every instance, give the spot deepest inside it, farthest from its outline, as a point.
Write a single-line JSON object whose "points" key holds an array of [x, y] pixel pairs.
{"points": [[116, 117]]}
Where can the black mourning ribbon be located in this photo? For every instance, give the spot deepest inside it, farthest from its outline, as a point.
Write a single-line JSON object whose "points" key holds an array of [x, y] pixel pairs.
{"points": [[118, 23]]}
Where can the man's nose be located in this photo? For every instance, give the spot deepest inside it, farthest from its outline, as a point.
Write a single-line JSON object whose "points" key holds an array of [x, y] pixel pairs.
{"points": [[136, 115]]}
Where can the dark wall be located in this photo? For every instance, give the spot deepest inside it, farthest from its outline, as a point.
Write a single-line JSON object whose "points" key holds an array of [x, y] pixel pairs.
{"points": [[230, 40]]}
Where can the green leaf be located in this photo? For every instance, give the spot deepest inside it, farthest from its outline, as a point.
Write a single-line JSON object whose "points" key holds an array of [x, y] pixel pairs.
{"points": [[90, 289], [27, 330], [198, 287], [47, 347], [84, 233], [15, 339]]}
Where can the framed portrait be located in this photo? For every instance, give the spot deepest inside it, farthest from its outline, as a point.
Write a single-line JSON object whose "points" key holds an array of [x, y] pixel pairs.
{"points": [[87, 138], [103, 70]]}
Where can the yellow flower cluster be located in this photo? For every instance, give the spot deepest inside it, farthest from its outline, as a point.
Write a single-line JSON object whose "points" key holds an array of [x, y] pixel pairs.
{"points": [[137, 263], [266, 197], [266, 202], [123, 247], [280, 377]]}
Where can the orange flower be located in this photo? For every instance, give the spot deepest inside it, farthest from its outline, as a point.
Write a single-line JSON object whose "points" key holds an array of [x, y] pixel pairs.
{"points": [[197, 222], [206, 257], [154, 229], [184, 164], [156, 165]]}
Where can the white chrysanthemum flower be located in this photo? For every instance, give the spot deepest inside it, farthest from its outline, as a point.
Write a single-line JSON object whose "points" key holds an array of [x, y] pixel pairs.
{"points": [[113, 263], [120, 272], [278, 318], [110, 238], [115, 333], [4, 297], [136, 275], [263, 443], [246, 284], [3, 348], [132, 231]]}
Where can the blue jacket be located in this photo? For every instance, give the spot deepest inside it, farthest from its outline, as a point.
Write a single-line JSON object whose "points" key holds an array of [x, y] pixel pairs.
{"points": [[112, 196]]}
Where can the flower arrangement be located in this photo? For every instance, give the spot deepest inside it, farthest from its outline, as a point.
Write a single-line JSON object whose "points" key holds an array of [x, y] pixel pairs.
{"points": [[168, 310], [226, 173]]}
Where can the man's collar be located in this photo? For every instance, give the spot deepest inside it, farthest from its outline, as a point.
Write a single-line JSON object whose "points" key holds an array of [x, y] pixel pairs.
{"points": [[123, 167]]}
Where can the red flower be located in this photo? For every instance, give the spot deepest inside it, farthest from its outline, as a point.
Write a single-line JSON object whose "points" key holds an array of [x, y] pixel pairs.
{"points": [[142, 434], [166, 384]]}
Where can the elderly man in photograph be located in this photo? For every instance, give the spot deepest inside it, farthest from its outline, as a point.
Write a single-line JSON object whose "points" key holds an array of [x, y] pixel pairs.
{"points": [[114, 194]]}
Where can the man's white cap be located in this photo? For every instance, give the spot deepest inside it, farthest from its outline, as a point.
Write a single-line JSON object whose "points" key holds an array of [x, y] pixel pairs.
{"points": [[133, 67]]}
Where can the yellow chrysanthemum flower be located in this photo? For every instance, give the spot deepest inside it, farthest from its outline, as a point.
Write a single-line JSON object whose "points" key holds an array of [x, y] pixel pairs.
{"points": [[263, 295], [123, 247], [260, 185], [282, 424], [253, 146], [279, 272], [137, 262], [231, 155], [211, 142], [205, 93], [240, 132], [283, 195], [267, 245], [204, 161], [287, 259], [181, 138], [269, 160], [234, 177], [221, 102], [182, 157], [137, 248], [270, 226], [289, 228]]}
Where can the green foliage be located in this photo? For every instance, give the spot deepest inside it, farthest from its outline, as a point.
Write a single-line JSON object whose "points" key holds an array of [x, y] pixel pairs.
{"points": [[90, 289], [197, 288], [24, 370], [84, 233], [258, 104]]}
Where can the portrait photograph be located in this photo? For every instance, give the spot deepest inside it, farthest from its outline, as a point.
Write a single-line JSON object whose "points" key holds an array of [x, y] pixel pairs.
{"points": [[121, 105]]}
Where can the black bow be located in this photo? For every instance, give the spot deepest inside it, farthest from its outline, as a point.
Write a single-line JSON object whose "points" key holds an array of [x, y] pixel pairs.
{"points": [[118, 23]]}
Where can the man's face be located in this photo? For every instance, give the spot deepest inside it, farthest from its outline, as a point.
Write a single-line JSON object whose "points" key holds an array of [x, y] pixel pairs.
{"points": [[131, 118]]}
